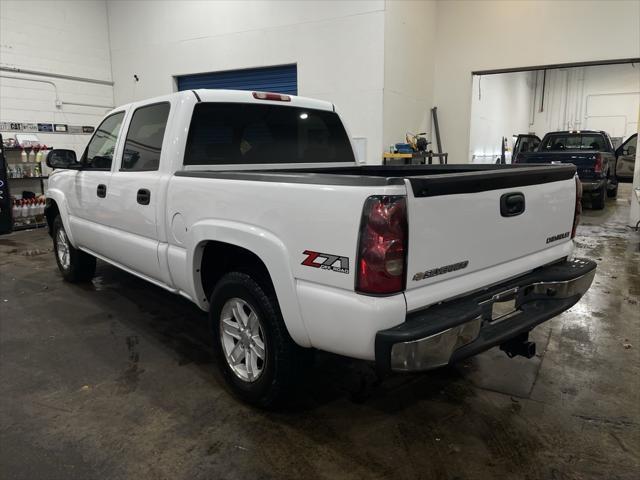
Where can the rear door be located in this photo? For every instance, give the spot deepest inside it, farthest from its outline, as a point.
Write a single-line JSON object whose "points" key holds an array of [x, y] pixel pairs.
{"points": [[464, 223], [134, 193]]}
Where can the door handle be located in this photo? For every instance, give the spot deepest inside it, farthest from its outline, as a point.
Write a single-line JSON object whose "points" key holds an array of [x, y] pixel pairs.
{"points": [[101, 191], [144, 196], [512, 204]]}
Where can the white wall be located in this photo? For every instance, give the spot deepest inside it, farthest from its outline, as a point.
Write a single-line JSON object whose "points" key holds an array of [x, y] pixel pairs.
{"points": [[62, 37], [598, 98], [500, 107], [338, 47], [479, 35], [409, 56]]}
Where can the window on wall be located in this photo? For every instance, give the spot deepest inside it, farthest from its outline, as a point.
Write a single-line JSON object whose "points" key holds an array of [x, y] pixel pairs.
{"points": [[278, 79], [144, 139]]}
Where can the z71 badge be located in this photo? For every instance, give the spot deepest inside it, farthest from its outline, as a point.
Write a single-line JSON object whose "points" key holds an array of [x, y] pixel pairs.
{"points": [[326, 261]]}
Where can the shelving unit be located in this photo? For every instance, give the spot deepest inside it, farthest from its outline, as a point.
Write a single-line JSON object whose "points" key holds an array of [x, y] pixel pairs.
{"points": [[13, 186]]}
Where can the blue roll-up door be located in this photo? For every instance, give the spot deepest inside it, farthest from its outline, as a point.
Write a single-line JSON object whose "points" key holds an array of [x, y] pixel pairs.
{"points": [[279, 79]]}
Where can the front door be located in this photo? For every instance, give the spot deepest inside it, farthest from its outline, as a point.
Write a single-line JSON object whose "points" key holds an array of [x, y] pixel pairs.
{"points": [[626, 159], [524, 143], [87, 200]]}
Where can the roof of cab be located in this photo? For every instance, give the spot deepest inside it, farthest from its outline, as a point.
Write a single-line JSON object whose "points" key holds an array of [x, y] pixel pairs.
{"points": [[232, 96], [246, 96]]}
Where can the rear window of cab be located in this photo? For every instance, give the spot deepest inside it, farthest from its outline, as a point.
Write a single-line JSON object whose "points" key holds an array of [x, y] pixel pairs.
{"points": [[248, 133], [575, 141]]}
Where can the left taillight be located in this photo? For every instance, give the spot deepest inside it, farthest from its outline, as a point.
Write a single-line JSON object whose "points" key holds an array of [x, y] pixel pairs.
{"points": [[597, 166], [382, 247], [578, 207]]}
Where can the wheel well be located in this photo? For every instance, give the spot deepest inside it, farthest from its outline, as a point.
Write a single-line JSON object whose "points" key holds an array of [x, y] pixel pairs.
{"points": [[51, 211], [219, 258]]}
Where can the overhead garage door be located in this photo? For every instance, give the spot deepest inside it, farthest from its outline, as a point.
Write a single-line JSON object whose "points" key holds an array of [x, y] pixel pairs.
{"points": [[279, 79]]}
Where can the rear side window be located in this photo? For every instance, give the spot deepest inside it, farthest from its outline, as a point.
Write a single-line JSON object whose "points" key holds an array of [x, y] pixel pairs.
{"points": [[247, 133], [575, 142], [144, 139]]}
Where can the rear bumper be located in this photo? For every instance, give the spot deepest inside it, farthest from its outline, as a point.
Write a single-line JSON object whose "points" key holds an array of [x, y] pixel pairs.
{"points": [[592, 186], [468, 325]]}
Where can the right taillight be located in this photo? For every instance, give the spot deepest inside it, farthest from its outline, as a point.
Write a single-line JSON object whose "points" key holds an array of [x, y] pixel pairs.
{"points": [[578, 207], [382, 248]]}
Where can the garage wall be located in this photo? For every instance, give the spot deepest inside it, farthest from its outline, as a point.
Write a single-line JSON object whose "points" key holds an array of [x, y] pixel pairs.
{"points": [[338, 48], [493, 34], [62, 37], [409, 57], [598, 98], [501, 106]]}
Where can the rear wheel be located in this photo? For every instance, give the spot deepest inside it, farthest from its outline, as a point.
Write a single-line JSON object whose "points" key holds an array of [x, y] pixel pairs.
{"points": [[256, 355], [599, 199], [75, 265], [612, 189]]}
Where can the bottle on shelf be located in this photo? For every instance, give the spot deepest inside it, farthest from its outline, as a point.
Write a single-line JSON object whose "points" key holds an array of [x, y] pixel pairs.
{"points": [[32, 155], [15, 209], [23, 156]]}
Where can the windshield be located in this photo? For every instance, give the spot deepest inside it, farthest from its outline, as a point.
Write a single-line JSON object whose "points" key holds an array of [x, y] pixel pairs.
{"points": [[249, 133], [574, 141]]}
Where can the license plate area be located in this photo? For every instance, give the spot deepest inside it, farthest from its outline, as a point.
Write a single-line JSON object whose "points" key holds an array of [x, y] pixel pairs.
{"points": [[501, 306]]}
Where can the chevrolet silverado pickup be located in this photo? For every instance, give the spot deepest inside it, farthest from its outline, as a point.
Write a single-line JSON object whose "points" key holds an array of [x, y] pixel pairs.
{"points": [[252, 206], [590, 151]]}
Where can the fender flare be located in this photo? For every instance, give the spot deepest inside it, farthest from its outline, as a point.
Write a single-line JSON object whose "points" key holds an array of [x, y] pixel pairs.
{"points": [[268, 248], [61, 200]]}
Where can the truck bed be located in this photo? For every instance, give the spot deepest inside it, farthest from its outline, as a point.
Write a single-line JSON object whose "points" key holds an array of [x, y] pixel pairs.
{"points": [[426, 180]]}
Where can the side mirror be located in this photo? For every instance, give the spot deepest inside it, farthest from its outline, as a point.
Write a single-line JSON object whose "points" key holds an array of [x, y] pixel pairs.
{"points": [[61, 158]]}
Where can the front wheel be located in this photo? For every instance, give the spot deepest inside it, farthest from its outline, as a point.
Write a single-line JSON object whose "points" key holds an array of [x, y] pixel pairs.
{"points": [[256, 355], [75, 265]]}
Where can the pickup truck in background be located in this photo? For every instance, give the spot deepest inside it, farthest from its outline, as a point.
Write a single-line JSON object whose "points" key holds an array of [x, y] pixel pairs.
{"points": [[590, 151], [252, 206], [626, 159]]}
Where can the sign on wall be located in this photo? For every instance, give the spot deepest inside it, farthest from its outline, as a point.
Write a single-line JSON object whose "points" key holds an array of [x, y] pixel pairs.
{"points": [[46, 128]]}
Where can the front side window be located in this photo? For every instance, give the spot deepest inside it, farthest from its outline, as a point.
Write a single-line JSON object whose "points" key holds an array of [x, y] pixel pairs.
{"points": [[101, 147], [248, 133], [144, 139]]}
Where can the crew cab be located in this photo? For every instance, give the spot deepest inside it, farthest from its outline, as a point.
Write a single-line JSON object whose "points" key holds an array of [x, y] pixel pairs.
{"points": [[590, 151], [252, 206]]}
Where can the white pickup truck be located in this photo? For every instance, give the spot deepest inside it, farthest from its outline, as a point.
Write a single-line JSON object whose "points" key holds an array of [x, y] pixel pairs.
{"points": [[252, 206]]}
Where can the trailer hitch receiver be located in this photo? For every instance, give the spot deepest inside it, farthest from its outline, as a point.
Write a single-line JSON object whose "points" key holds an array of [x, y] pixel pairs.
{"points": [[519, 345]]}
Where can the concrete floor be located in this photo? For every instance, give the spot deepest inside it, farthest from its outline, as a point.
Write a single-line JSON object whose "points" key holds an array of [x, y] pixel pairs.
{"points": [[116, 380]]}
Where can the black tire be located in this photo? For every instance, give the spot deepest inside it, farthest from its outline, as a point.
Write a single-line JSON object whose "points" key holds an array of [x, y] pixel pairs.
{"points": [[81, 267], [284, 359], [597, 203], [612, 191]]}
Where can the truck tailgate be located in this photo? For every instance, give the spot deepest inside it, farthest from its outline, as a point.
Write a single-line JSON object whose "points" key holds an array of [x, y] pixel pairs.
{"points": [[457, 225]]}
